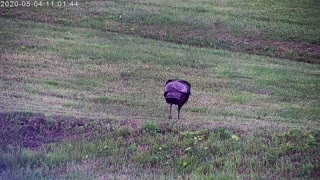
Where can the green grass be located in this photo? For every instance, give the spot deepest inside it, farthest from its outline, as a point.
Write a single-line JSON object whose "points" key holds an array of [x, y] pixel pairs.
{"points": [[204, 153], [82, 96], [286, 29]]}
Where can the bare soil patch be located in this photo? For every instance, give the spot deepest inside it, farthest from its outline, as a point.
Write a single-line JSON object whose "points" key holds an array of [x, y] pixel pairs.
{"points": [[31, 130]]}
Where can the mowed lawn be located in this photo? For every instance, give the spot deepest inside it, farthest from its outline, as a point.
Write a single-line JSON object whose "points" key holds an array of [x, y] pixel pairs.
{"points": [[286, 28], [86, 102]]}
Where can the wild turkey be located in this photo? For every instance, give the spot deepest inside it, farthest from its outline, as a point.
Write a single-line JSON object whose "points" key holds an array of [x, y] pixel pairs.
{"points": [[177, 92]]}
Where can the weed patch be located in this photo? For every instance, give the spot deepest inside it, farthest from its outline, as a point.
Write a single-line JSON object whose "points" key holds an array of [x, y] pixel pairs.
{"points": [[176, 151]]}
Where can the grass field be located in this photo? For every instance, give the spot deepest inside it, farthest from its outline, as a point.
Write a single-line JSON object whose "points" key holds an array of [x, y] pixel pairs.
{"points": [[286, 29], [82, 90]]}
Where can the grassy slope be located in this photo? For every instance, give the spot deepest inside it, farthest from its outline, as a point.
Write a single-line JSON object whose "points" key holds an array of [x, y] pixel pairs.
{"points": [[286, 28], [88, 73]]}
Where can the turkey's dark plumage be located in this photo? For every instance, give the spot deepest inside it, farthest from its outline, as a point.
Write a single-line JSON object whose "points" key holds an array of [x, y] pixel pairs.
{"points": [[177, 92]]}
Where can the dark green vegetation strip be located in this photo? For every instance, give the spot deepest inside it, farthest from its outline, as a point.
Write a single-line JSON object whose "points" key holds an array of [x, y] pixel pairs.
{"points": [[141, 153], [286, 29]]}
